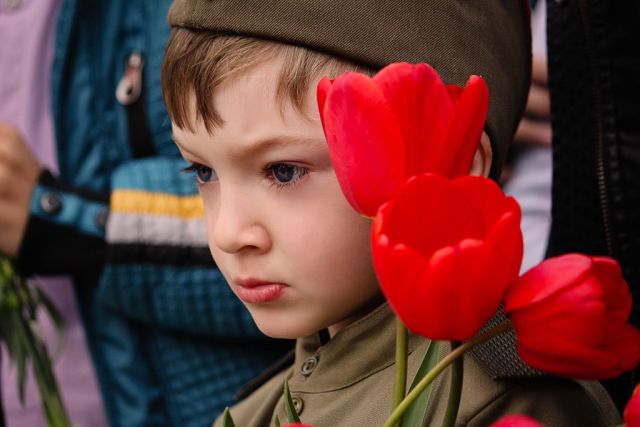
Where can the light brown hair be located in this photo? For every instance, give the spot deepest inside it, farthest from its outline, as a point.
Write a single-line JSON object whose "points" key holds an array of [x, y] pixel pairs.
{"points": [[196, 62]]}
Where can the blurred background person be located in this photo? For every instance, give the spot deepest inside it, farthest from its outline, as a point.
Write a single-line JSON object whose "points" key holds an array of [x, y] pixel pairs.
{"points": [[27, 145], [170, 344], [594, 83], [576, 154], [528, 175]]}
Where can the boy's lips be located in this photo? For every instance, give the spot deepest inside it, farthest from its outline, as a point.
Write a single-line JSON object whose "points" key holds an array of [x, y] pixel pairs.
{"points": [[258, 291]]}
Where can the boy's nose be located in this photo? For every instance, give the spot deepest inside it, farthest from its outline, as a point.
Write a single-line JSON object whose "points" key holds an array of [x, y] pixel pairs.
{"points": [[236, 227]]}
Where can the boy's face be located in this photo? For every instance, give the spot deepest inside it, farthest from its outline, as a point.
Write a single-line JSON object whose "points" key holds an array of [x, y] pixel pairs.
{"points": [[279, 228]]}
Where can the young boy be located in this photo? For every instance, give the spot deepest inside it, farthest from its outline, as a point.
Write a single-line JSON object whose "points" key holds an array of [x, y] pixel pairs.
{"points": [[239, 80]]}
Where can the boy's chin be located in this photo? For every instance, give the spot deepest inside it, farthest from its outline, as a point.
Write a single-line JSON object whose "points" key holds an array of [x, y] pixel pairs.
{"points": [[273, 330], [283, 328]]}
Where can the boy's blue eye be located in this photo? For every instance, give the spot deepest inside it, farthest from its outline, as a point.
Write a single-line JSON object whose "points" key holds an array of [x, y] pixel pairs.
{"points": [[203, 173], [284, 174]]}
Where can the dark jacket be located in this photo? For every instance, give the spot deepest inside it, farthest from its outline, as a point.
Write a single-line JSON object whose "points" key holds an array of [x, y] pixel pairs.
{"points": [[594, 80]]}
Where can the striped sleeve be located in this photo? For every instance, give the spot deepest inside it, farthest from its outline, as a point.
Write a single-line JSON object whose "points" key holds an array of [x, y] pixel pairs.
{"points": [[159, 268]]}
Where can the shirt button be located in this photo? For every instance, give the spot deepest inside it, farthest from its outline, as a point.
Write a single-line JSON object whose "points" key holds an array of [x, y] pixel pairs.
{"points": [[51, 203], [298, 404], [309, 365]]}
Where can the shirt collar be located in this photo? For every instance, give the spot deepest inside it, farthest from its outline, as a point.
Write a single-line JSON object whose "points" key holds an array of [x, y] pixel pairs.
{"points": [[361, 349]]}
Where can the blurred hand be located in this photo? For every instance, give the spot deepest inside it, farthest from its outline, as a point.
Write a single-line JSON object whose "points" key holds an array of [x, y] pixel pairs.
{"points": [[535, 126], [19, 172]]}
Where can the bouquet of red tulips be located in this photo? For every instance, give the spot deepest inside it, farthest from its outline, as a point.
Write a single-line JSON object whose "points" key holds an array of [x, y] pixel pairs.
{"points": [[446, 242]]}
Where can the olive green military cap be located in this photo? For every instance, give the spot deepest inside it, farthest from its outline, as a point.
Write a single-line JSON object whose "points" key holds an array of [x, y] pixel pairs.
{"points": [[490, 38]]}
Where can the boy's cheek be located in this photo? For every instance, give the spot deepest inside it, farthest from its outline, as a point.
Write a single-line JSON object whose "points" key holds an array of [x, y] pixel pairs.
{"points": [[221, 263]]}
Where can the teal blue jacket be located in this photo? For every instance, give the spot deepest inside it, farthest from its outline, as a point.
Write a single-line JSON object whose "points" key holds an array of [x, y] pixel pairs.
{"points": [[170, 343]]}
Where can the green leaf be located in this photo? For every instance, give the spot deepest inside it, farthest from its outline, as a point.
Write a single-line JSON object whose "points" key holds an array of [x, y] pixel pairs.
{"points": [[227, 421], [277, 421], [10, 334], [292, 414], [26, 351], [55, 316], [6, 270], [18, 351], [19, 330], [415, 414], [22, 375], [5, 323]]}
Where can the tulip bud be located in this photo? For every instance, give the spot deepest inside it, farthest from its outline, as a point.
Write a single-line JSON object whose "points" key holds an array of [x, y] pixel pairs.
{"points": [[570, 316], [403, 122], [444, 251]]}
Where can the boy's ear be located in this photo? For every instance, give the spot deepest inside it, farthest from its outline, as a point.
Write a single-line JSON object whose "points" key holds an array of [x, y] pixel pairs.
{"points": [[481, 164]]}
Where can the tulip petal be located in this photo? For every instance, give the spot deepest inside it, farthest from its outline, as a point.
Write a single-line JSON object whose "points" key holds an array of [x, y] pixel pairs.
{"points": [[502, 214], [550, 276], [459, 280], [626, 344], [365, 141], [455, 92], [486, 197], [395, 283], [516, 421], [506, 240], [453, 282], [429, 213], [583, 322], [322, 91], [566, 358], [632, 410], [466, 127], [616, 289], [422, 105]]}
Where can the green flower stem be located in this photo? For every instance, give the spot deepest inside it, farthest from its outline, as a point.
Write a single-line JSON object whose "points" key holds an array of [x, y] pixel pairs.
{"points": [[401, 363], [455, 390], [441, 366]]}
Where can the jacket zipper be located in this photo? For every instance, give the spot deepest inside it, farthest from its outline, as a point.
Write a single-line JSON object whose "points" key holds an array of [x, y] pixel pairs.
{"points": [[602, 191], [130, 86], [602, 182]]}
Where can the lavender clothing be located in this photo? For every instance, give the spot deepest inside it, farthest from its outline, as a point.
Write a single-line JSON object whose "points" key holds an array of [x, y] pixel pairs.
{"points": [[26, 47]]}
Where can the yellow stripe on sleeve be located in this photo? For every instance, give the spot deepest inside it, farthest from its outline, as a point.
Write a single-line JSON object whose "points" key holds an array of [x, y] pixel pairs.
{"points": [[143, 202]]}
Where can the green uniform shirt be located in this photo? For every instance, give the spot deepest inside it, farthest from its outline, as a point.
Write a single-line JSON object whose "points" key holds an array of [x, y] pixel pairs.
{"points": [[349, 382]]}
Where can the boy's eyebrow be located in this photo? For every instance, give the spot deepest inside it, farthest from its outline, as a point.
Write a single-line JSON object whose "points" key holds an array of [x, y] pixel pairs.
{"points": [[180, 145], [261, 146]]}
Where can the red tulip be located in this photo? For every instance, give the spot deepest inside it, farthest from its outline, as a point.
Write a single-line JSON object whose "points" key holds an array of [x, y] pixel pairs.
{"points": [[570, 316], [516, 421], [403, 122], [444, 252], [632, 411], [297, 425]]}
